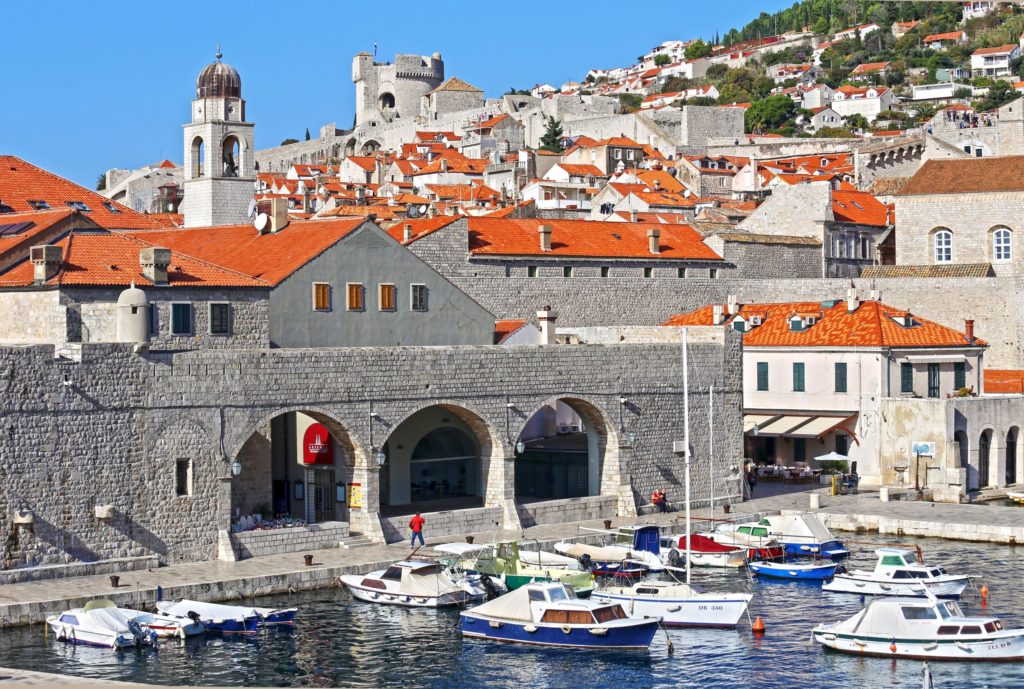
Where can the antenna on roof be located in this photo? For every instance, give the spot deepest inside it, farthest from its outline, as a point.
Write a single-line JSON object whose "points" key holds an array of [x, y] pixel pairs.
{"points": [[252, 208]]}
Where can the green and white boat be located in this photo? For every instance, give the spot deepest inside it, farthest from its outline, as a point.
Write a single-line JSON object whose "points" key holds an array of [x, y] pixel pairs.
{"points": [[502, 561]]}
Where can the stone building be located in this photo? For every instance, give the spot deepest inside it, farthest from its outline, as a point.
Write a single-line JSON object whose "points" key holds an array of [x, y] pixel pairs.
{"points": [[388, 91], [963, 213], [219, 151]]}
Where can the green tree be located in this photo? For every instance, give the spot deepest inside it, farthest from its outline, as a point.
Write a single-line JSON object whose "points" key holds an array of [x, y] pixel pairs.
{"points": [[999, 94], [697, 49], [661, 60], [716, 72], [101, 182], [770, 113], [630, 101], [834, 133], [552, 139], [286, 142], [307, 133], [856, 121]]}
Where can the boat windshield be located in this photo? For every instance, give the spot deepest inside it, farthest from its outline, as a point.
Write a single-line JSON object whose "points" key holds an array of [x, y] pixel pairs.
{"points": [[935, 572], [607, 614], [624, 537], [557, 594], [954, 609], [917, 613], [393, 573], [536, 594]]}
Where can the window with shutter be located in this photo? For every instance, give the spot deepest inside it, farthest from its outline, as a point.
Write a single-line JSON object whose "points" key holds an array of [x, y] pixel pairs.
{"points": [[798, 377], [220, 316], [321, 296], [418, 297], [762, 376], [906, 377], [387, 297], [181, 319], [355, 296], [959, 375], [840, 377]]}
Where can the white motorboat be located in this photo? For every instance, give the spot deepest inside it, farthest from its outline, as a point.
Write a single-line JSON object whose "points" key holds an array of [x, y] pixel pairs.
{"points": [[897, 573], [704, 552], [634, 547], [805, 535], [760, 545], [479, 586], [166, 626], [411, 583], [100, 623], [679, 605], [223, 619], [902, 627]]}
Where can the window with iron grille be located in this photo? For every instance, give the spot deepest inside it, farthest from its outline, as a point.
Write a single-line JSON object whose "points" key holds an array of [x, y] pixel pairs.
{"points": [[220, 319]]}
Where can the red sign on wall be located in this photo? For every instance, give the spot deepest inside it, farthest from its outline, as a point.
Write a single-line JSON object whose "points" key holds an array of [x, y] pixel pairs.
{"points": [[317, 445]]}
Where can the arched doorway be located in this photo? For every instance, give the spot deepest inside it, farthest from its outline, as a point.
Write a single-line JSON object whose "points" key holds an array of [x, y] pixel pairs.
{"points": [[984, 457], [369, 147], [293, 470], [350, 147], [964, 452], [1012, 437], [231, 160], [560, 452], [435, 460], [387, 101]]}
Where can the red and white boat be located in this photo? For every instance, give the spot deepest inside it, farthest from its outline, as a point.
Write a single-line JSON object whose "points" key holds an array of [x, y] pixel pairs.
{"points": [[704, 552]]}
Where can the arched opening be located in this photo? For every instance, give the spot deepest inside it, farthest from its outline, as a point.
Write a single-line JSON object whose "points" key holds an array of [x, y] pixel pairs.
{"points": [[1001, 239], [984, 456], [964, 455], [350, 147], [369, 147], [231, 152], [294, 470], [387, 101], [1012, 438], [435, 460], [198, 155], [942, 245], [560, 453]]}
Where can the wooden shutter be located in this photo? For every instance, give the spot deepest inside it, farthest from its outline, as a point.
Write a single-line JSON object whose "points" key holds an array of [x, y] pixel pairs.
{"points": [[387, 297], [355, 296]]}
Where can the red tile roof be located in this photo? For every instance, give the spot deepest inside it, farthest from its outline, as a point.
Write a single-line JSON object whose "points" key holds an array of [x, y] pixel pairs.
{"points": [[268, 257], [21, 182], [948, 36], [967, 176], [860, 207], [167, 163], [1004, 381], [504, 329], [582, 170], [421, 227], [112, 259], [871, 325], [38, 222], [869, 67], [365, 162], [583, 238], [998, 50]]}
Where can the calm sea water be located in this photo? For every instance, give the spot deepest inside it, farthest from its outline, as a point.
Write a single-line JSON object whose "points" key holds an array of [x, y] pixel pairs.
{"points": [[341, 642]]}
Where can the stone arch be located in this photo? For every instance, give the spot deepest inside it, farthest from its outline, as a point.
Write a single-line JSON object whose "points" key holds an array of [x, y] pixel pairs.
{"points": [[606, 474], [350, 147], [409, 480], [963, 445], [197, 153], [984, 473], [369, 146], [231, 150], [1013, 456]]}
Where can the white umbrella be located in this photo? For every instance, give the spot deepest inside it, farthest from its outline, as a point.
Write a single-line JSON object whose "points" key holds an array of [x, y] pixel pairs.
{"points": [[832, 457]]}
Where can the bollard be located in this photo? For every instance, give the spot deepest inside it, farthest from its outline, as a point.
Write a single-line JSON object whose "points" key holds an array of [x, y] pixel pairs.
{"points": [[815, 501], [469, 540], [115, 580], [309, 560], [727, 507], [607, 523]]}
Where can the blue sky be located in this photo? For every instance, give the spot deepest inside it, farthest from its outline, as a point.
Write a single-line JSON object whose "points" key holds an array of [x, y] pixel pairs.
{"points": [[94, 85]]}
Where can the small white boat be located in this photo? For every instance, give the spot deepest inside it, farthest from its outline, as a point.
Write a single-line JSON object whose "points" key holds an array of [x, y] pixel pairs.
{"points": [[678, 605], [931, 629], [218, 618], [479, 586], [804, 535], [704, 552], [412, 583], [897, 573], [166, 626], [100, 623]]}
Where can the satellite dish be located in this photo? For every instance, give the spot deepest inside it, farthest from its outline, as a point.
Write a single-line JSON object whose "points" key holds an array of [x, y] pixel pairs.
{"points": [[414, 212], [422, 209], [261, 222], [252, 208]]}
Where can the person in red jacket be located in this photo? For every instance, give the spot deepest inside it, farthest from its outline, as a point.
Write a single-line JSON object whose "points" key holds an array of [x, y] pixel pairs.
{"points": [[416, 524]]}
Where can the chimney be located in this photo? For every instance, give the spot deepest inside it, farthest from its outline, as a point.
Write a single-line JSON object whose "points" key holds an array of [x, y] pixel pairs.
{"points": [[852, 301], [969, 330], [653, 238], [46, 260], [732, 305], [875, 295], [657, 185], [444, 165], [633, 216], [716, 318], [545, 237], [546, 318], [407, 232], [154, 262], [278, 214]]}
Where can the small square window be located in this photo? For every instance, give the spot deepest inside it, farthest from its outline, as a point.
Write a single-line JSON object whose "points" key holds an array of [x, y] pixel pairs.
{"points": [[418, 297], [387, 297], [605, 271], [39, 205], [648, 272], [354, 296], [220, 318], [181, 319], [680, 272], [111, 207], [567, 271], [531, 271], [713, 273], [321, 296], [183, 477]]}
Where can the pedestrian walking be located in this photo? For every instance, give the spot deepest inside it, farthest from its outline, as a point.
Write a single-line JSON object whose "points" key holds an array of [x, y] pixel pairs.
{"points": [[416, 524]]}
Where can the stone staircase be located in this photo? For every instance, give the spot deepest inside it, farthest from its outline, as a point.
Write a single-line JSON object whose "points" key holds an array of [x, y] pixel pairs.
{"points": [[355, 540]]}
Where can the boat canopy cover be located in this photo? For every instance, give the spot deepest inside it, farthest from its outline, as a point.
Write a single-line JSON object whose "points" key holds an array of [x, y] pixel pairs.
{"points": [[703, 544], [461, 549], [790, 526], [514, 606], [98, 603], [111, 619], [433, 583], [545, 559], [206, 610], [599, 554], [883, 616]]}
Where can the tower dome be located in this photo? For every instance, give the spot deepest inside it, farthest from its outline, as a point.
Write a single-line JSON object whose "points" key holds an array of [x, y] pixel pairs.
{"points": [[219, 80]]}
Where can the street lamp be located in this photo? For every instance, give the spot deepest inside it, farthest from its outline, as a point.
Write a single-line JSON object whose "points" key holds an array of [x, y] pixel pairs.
{"points": [[381, 457], [236, 468], [520, 447]]}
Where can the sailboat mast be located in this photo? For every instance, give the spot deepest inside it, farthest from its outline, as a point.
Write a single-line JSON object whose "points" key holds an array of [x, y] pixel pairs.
{"points": [[711, 443], [686, 441]]}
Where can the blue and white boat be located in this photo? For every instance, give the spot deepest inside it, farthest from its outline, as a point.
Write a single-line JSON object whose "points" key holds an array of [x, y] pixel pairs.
{"points": [[804, 535], [802, 571], [636, 550], [548, 614], [271, 617], [220, 619]]}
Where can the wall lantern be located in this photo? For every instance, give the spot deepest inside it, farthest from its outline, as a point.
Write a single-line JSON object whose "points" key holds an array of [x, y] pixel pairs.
{"points": [[520, 447], [381, 457], [236, 468]]}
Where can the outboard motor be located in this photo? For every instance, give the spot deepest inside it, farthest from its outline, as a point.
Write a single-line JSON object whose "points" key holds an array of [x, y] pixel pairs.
{"points": [[586, 562], [141, 637], [491, 592], [675, 559], [192, 615]]}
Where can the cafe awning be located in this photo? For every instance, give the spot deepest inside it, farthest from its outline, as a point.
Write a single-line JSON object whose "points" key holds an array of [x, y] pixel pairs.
{"points": [[752, 420], [783, 425], [792, 426], [936, 358]]}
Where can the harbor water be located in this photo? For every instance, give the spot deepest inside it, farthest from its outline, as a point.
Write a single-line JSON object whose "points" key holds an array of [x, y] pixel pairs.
{"points": [[340, 642]]}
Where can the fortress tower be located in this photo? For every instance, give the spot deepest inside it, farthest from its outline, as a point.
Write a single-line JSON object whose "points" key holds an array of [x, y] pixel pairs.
{"points": [[219, 154], [386, 91]]}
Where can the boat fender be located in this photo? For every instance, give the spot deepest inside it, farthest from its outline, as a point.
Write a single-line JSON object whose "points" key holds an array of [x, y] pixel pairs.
{"points": [[181, 632], [860, 642], [530, 628], [597, 631], [892, 647], [964, 647], [674, 608], [930, 647], [375, 596], [495, 624], [829, 637], [566, 630], [408, 599], [421, 601], [391, 598]]}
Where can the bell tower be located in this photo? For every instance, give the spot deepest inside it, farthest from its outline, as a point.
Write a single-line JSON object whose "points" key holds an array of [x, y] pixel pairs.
{"points": [[220, 173]]}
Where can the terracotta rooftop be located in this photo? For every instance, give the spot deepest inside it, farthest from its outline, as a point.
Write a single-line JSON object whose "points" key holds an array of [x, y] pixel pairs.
{"points": [[873, 324], [861, 208], [504, 329], [962, 270], [967, 176], [421, 227], [25, 187], [455, 84], [582, 170], [267, 257], [583, 238], [1004, 381]]}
